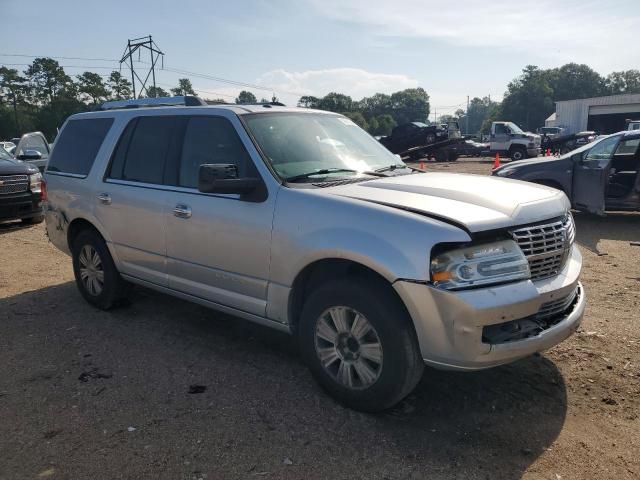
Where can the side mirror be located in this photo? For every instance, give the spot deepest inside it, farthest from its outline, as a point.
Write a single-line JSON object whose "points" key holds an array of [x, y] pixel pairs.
{"points": [[30, 155], [223, 178]]}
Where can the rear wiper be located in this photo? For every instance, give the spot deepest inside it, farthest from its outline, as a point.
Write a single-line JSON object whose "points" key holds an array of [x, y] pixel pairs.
{"points": [[327, 171]]}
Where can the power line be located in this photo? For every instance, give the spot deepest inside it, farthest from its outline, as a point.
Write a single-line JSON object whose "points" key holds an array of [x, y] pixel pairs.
{"points": [[61, 58]]}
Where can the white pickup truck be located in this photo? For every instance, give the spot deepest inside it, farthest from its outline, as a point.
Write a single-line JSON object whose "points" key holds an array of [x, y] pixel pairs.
{"points": [[508, 139]]}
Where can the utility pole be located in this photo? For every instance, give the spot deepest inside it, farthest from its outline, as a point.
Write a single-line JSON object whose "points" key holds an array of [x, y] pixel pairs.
{"points": [[155, 54], [467, 117]]}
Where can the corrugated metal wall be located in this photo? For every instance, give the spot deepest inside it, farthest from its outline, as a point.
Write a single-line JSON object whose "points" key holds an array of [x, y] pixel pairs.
{"points": [[574, 114]]}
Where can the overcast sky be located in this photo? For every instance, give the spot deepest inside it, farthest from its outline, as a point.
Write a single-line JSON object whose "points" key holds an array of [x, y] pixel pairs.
{"points": [[358, 47]]}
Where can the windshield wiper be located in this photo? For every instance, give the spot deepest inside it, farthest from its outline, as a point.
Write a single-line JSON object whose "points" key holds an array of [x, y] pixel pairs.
{"points": [[327, 171], [391, 168]]}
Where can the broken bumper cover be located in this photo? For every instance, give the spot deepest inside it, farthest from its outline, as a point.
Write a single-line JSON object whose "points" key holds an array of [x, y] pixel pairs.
{"points": [[481, 328]]}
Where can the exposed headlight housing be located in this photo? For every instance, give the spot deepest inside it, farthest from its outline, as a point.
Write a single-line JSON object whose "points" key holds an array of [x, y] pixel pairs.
{"points": [[35, 182], [479, 265]]}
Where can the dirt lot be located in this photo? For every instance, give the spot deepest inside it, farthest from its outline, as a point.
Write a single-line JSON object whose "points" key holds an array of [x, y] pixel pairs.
{"points": [[88, 394]]}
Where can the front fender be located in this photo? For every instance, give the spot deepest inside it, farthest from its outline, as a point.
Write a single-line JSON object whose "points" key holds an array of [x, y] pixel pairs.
{"points": [[310, 225]]}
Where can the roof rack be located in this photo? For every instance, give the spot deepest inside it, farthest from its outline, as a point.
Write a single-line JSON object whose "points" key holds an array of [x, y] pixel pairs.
{"points": [[185, 101]]}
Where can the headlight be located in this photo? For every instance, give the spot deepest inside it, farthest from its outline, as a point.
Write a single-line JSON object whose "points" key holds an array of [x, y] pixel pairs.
{"points": [[35, 182], [485, 264]]}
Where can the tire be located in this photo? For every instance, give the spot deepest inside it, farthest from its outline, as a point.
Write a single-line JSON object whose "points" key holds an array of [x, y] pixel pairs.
{"points": [[391, 339], [518, 154], [33, 220], [88, 270], [452, 155], [441, 155]]}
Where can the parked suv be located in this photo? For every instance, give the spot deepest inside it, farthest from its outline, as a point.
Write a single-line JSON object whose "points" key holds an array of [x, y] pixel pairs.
{"points": [[299, 220], [21, 190]]}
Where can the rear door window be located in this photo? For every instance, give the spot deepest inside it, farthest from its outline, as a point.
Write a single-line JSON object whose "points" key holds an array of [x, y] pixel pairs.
{"points": [[78, 145], [145, 148]]}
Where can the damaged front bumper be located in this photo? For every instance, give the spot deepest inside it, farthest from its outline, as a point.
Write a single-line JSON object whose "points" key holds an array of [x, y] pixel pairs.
{"points": [[481, 328]]}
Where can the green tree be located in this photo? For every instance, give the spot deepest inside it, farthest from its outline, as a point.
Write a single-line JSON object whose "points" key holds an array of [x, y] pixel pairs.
{"points": [[386, 123], [12, 90], [155, 92], [375, 105], [529, 99], [410, 105], [246, 97], [91, 85], [47, 80], [358, 119], [336, 102], [184, 88], [627, 81], [308, 101], [120, 87], [575, 81]]}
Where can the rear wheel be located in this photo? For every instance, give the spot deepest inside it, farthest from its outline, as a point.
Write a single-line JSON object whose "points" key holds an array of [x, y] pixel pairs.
{"points": [[96, 275], [359, 343], [452, 155]]}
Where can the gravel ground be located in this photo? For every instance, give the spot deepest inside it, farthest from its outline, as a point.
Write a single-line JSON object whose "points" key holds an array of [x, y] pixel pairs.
{"points": [[165, 389]]}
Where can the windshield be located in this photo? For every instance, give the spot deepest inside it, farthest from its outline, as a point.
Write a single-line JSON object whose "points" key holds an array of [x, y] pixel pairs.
{"points": [[4, 155], [588, 146], [514, 128], [300, 143]]}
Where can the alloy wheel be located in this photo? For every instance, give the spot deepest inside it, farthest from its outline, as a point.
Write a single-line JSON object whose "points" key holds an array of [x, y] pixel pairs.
{"points": [[91, 271], [348, 347]]}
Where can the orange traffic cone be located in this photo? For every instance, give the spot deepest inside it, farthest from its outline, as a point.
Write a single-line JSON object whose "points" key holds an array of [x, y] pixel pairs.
{"points": [[496, 162]]}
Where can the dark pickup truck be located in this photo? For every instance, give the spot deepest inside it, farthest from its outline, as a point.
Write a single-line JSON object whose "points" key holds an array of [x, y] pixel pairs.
{"points": [[413, 134], [22, 190]]}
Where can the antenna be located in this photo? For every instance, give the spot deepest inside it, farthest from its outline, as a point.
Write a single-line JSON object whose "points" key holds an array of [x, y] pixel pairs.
{"points": [[137, 45]]}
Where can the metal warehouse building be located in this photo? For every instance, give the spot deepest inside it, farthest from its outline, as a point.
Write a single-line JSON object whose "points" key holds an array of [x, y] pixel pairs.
{"points": [[602, 114]]}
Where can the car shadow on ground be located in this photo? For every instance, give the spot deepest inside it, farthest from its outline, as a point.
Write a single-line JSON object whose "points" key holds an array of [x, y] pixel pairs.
{"points": [[76, 381], [7, 227], [619, 226]]}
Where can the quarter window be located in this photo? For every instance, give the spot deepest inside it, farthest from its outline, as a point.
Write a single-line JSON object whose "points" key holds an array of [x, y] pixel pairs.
{"points": [[78, 145]]}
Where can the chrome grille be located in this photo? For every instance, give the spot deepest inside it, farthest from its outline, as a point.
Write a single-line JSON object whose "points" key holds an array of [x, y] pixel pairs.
{"points": [[13, 184], [546, 245]]}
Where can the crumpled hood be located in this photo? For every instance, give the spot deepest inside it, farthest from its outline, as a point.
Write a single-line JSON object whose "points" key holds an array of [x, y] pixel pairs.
{"points": [[475, 201]]}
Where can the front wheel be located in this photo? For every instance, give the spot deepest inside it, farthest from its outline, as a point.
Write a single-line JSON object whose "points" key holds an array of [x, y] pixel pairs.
{"points": [[358, 341], [518, 154]]}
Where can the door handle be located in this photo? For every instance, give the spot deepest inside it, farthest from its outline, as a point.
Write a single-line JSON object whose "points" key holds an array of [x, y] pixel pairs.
{"points": [[104, 198], [182, 211]]}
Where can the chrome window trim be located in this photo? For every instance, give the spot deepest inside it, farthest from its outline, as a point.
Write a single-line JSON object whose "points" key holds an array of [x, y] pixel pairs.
{"points": [[170, 188]]}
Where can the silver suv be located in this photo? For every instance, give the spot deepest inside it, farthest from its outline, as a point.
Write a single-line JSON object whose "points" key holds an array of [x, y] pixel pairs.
{"points": [[299, 220]]}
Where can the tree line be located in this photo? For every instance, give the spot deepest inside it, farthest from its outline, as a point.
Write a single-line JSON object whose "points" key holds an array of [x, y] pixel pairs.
{"points": [[530, 98], [44, 95]]}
